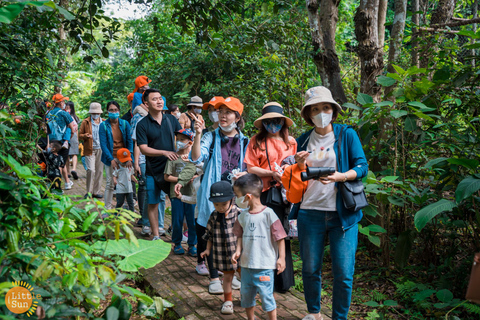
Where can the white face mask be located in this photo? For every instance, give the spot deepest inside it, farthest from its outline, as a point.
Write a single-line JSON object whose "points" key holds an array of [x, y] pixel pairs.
{"points": [[240, 202], [213, 115], [229, 128], [181, 145], [198, 110], [95, 116], [177, 114], [322, 119]]}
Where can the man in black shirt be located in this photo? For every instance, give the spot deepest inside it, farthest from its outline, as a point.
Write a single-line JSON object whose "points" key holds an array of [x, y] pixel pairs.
{"points": [[156, 140]]}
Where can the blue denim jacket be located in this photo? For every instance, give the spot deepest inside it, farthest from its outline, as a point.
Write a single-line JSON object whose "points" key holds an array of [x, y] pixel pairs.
{"points": [[353, 158], [106, 139], [212, 171]]}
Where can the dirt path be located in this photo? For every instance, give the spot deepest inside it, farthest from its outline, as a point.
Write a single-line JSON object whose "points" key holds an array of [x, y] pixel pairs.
{"points": [[175, 280]]}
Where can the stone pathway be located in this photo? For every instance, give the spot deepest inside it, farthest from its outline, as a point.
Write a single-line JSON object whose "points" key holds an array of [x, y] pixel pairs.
{"points": [[176, 280]]}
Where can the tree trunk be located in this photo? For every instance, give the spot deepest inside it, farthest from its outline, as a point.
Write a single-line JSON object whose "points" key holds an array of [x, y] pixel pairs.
{"points": [[416, 23], [323, 25], [382, 16], [396, 36], [443, 13], [370, 53], [61, 65], [474, 27]]}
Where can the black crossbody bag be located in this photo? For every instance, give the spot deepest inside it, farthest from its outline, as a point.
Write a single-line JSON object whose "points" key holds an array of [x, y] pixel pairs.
{"points": [[353, 193], [274, 195]]}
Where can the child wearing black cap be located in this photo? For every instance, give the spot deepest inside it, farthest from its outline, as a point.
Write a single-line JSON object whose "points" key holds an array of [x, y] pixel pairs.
{"points": [[220, 237]]}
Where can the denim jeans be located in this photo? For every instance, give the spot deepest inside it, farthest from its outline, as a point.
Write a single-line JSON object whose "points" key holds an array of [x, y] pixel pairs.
{"points": [[143, 203], [313, 228], [181, 210]]}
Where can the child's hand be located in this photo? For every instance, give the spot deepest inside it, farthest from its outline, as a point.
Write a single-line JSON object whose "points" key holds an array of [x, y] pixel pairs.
{"points": [[179, 195], [205, 253], [280, 265], [235, 257], [177, 188], [114, 181], [193, 178], [134, 179]]}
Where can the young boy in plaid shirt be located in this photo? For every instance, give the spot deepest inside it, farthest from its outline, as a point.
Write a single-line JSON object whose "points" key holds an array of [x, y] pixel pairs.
{"points": [[219, 236]]}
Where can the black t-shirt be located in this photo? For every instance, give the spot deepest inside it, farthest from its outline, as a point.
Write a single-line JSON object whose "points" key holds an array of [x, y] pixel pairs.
{"points": [[158, 137]]}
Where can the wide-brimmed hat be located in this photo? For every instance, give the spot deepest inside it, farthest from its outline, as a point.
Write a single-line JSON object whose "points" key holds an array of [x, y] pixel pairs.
{"points": [[317, 95], [221, 191], [124, 155], [272, 110], [195, 101], [213, 102], [231, 103], [59, 98], [95, 107], [141, 81]]}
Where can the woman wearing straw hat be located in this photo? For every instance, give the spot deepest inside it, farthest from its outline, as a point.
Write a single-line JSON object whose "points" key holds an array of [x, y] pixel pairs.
{"points": [[89, 134], [194, 109], [322, 213], [264, 156]]}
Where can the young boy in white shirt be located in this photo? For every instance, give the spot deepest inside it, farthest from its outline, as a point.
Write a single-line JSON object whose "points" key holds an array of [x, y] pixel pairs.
{"points": [[122, 179]]}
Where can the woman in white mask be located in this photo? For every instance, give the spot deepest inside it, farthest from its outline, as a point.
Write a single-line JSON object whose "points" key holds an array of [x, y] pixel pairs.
{"points": [[322, 213], [194, 109], [212, 112], [222, 151]]}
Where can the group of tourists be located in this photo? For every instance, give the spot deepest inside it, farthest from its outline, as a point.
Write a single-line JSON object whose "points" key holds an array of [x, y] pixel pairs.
{"points": [[226, 189]]}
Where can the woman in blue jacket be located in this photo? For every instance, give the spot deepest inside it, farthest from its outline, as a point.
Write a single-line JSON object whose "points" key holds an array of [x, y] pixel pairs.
{"points": [[322, 213], [114, 134]]}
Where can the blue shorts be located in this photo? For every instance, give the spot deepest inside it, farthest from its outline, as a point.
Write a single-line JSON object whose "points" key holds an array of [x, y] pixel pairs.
{"points": [[257, 281], [153, 192]]}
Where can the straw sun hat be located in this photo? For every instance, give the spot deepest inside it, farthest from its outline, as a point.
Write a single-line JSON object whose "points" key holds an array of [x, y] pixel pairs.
{"points": [[272, 110]]}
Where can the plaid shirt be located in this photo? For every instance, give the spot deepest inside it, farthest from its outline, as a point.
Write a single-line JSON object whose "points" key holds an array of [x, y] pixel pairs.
{"points": [[220, 232]]}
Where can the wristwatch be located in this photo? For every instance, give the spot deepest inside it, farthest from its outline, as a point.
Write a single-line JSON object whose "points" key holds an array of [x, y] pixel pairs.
{"points": [[346, 177]]}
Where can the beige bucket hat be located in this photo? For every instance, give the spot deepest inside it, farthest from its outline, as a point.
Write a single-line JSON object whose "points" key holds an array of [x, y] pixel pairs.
{"points": [[195, 101], [272, 110], [317, 95], [95, 107]]}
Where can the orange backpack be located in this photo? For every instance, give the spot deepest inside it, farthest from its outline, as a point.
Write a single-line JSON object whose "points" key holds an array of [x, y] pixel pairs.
{"points": [[293, 183]]}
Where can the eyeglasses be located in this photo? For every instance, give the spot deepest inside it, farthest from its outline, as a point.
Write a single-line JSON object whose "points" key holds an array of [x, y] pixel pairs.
{"points": [[226, 112]]}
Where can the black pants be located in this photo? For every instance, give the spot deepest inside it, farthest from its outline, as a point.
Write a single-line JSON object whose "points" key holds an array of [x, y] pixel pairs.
{"points": [[121, 199], [202, 246], [56, 181], [284, 280]]}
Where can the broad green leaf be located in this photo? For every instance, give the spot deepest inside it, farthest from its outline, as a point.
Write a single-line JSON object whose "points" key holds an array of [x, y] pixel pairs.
{"points": [[375, 240], [364, 99], [398, 113], [376, 228], [390, 303], [417, 104], [89, 220], [370, 211], [410, 123], [147, 255], [399, 70], [444, 295], [395, 76], [384, 104], [363, 230], [138, 294], [424, 294], [112, 313], [9, 12], [403, 248], [351, 106], [466, 188], [415, 70], [435, 162], [386, 81], [426, 214], [467, 163], [389, 179], [372, 304]]}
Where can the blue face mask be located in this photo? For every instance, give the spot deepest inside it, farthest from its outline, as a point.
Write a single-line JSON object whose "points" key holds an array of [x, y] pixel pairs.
{"points": [[273, 127], [113, 115]]}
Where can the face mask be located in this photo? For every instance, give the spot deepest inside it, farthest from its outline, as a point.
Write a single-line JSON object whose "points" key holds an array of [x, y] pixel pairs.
{"points": [[177, 114], [213, 115], [49, 149], [181, 145], [322, 120], [229, 128], [273, 127], [95, 116], [240, 202], [113, 115], [198, 110]]}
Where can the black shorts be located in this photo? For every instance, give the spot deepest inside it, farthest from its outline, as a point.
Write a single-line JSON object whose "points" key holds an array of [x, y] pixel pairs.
{"points": [[64, 154]]}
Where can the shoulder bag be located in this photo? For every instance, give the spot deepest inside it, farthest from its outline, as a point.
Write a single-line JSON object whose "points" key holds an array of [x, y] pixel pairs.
{"points": [[274, 195], [352, 192]]}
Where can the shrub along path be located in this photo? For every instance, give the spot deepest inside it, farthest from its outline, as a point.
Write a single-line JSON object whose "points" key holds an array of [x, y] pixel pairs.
{"points": [[175, 280]]}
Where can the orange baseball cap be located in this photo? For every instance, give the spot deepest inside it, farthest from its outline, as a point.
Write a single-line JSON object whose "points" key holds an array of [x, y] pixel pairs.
{"points": [[130, 97], [59, 98], [124, 155], [231, 103], [215, 100], [140, 82]]}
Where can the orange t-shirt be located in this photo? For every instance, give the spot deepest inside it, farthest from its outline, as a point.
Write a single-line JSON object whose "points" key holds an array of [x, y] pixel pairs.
{"points": [[277, 151], [117, 139]]}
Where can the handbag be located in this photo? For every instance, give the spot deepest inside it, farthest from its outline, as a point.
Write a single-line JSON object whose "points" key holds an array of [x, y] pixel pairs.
{"points": [[274, 194], [352, 192], [473, 290]]}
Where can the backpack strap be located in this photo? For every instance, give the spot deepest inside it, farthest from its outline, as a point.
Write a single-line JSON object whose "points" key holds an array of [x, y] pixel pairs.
{"points": [[170, 129], [339, 146], [212, 145]]}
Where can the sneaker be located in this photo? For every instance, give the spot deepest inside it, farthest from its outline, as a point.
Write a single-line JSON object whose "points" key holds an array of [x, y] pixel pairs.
{"points": [[192, 251], [178, 250], [215, 287], [156, 238], [202, 269], [98, 196], [227, 307], [161, 231], [75, 175], [236, 284], [68, 186], [146, 231]]}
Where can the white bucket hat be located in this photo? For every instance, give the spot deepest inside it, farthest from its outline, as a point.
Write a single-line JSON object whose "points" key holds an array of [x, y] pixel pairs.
{"points": [[95, 107], [195, 101], [318, 95]]}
